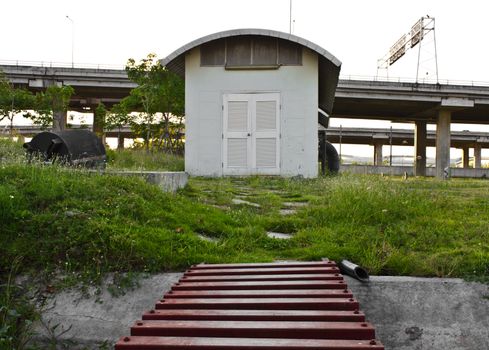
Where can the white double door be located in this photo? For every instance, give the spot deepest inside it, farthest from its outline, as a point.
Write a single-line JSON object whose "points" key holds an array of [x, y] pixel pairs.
{"points": [[251, 134]]}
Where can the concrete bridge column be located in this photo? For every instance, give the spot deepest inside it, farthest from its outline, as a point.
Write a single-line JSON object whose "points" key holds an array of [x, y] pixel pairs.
{"points": [[465, 157], [477, 156], [420, 148], [120, 142], [378, 157], [443, 144]]}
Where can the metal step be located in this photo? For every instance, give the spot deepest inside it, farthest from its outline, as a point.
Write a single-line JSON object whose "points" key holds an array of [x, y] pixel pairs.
{"points": [[288, 306]]}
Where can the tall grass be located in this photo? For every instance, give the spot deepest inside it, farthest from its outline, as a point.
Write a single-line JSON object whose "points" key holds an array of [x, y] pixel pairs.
{"points": [[16, 312], [140, 159], [84, 223]]}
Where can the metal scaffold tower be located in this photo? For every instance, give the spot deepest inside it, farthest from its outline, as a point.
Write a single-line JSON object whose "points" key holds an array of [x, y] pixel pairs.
{"points": [[422, 30]]}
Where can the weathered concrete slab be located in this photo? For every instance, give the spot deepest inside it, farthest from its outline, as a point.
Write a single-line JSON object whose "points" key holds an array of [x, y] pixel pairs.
{"points": [[426, 313], [279, 235], [99, 320], [238, 201], [408, 313], [168, 181], [287, 211], [207, 238], [295, 204]]}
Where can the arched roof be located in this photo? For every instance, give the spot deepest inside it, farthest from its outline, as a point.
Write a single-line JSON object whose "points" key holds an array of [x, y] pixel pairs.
{"points": [[329, 65]]}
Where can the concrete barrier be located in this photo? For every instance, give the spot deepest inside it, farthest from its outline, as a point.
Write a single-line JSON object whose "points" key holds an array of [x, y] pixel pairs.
{"points": [[401, 170], [168, 181], [426, 313], [408, 312]]}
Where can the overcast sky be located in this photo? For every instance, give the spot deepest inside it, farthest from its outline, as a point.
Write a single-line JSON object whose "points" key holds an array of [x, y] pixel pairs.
{"points": [[358, 32]]}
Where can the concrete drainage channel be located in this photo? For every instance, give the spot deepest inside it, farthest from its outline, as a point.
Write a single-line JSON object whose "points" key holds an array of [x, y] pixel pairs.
{"points": [[255, 306], [408, 312]]}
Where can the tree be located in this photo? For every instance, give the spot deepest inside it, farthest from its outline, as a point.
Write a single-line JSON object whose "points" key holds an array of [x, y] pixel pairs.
{"points": [[158, 91], [118, 117], [13, 101], [99, 120], [51, 107]]}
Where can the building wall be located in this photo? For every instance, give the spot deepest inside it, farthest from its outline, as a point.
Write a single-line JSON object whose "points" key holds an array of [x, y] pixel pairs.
{"points": [[204, 88]]}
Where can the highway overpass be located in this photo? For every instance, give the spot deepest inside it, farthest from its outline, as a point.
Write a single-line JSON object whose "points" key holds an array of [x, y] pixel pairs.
{"points": [[440, 104]]}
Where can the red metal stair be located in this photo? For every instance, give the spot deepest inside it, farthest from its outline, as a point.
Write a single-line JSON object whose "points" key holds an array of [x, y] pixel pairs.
{"points": [[255, 306]]}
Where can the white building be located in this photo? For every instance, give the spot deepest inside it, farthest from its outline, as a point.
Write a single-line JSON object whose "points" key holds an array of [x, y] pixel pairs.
{"points": [[252, 98]]}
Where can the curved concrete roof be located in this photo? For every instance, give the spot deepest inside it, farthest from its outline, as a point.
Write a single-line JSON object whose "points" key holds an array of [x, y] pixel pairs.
{"points": [[329, 65]]}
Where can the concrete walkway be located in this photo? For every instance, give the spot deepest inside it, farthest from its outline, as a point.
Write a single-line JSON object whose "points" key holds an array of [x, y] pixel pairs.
{"points": [[408, 313], [426, 313]]}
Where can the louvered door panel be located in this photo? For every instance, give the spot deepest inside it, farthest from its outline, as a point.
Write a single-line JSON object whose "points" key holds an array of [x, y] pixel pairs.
{"points": [[266, 115], [237, 116], [236, 134], [237, 153], [266, 153], [266, 139]]}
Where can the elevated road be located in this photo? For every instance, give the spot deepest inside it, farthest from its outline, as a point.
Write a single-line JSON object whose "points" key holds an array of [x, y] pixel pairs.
{"points": [[92, 85], [362, 99], [410, 102], [403, 137], [442, 104]]}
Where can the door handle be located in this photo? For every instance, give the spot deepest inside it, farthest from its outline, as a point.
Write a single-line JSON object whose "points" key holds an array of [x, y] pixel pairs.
{"points": [[249, 134]]}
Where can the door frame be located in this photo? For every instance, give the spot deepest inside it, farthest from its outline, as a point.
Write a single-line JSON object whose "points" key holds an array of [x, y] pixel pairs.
{"points": [[251, 98]]}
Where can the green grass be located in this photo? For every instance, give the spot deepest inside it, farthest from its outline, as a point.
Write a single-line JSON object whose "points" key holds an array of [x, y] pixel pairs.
{"points": [[81, 223], [140, 159], [67, 225], [415, 227], [11, 151]]}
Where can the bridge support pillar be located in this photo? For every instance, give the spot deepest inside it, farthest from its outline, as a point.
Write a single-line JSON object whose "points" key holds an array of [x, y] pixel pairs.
{"points": [[420, 148], [477, 156], [120, 142], [443, 144], [465, 157], [378, 157]]}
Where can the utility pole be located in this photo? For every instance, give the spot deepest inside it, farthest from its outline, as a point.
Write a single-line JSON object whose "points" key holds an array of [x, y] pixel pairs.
{"points": [[290, 17], [72, 41]]}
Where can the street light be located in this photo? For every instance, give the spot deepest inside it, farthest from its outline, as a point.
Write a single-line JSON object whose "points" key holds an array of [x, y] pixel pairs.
{"points": [[72, 40]]}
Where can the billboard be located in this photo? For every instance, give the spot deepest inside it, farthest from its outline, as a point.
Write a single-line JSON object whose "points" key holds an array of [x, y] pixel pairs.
{"points": [[397, 50], [417, 32]]}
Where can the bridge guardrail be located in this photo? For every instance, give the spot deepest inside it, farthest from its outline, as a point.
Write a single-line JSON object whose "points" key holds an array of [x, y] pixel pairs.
{"points": [[368, 78], [377, 78], [50, 64]]}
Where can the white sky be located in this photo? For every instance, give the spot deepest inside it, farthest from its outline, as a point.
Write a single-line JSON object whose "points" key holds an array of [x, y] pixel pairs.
{"points": [[357, 32]]}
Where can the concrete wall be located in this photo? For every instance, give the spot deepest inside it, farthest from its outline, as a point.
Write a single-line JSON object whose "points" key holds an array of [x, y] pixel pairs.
{"points": [[411, 313], [204, 90], [167, 181], [400, 170], [408, 313]]}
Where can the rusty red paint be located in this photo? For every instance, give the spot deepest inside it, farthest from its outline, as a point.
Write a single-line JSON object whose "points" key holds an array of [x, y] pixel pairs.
{"points": [[239, 278], [207, 343], [263, 271], [255, 307], [293, 293], [261, 285], [284, 265], [255, 315], [260, 303], [255, 329]]}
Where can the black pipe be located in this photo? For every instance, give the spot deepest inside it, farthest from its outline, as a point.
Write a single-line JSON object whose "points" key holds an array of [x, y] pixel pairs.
{"points": [[353, 270]]}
